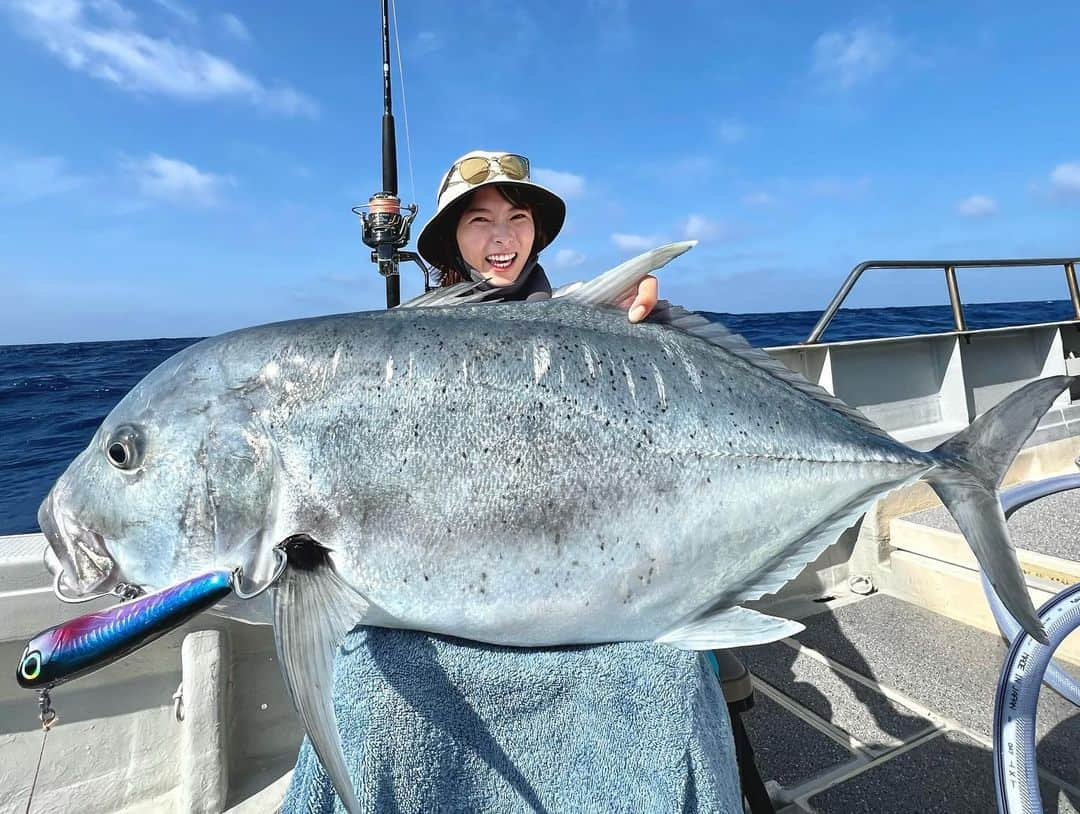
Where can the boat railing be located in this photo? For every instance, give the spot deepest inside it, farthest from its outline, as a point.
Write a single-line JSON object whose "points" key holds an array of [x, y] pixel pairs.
{"points": [[949, 267]]}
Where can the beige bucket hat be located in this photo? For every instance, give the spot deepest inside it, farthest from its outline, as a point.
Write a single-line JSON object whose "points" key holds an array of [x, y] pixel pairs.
{"points": [[481, 168]]}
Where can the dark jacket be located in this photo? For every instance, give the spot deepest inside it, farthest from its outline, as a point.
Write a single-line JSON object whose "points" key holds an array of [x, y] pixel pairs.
{"points": [[531, 284]]}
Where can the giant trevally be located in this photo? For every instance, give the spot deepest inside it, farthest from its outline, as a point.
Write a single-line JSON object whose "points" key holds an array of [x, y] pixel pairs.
{"points": [[537, 473]]}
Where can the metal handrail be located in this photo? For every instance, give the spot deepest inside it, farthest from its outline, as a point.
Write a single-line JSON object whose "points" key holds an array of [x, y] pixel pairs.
{"points": [[949, 267]]}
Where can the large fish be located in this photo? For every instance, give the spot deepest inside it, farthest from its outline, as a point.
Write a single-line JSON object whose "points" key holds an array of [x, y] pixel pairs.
{"points": [[538, 473]]}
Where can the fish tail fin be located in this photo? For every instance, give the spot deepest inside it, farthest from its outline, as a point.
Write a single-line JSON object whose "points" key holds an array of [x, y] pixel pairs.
{"points": [[971, 466], [313, 610]]}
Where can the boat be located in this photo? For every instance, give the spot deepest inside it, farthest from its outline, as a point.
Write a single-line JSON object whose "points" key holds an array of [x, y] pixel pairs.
{"points": [[884, 703]]}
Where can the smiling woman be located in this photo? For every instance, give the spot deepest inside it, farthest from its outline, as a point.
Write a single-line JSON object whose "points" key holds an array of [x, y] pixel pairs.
{"points": [[490, 225], [495, 235], [489, 209]]}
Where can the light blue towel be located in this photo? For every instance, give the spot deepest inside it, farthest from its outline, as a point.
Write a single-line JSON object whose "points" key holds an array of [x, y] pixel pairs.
{"points": [[435, 724]]}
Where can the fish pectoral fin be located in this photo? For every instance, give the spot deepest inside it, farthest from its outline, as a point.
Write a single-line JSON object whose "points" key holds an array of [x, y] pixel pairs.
{"points": [[313, 610], [466, 293], [730, 627]]}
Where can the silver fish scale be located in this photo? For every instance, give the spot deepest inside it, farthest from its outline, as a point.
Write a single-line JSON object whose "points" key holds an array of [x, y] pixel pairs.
{"points": [[620, 477]]}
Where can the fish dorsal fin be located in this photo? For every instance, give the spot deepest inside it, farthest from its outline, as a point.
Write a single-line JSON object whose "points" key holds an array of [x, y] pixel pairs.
{"points": [[615, 285], [465, 293], [609, 288], [716, 333]]}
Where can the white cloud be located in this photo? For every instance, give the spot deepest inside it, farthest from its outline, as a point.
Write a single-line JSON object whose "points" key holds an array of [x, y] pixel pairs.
{"points": [[98, 39], [568, 258], [565, 184], [179, 11], [759, 199], [690, 166], [844, 59], [235, 28], [838, 187], [1065, 178], [635, 243], [427, 42], [25, 179], [288, 101], [731, 131], [612, 17], [977, 206], [110, 10], [684, 169], [176, 181], [700, 227], [344, 279]]}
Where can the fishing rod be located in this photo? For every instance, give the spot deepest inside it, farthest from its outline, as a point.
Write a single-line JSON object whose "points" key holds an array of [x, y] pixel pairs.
{"points": [[385, 224]]}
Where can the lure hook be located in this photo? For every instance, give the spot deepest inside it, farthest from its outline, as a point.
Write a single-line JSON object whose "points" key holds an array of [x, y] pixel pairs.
{"points": [[178, 703], [122, 590], [237, 576]]}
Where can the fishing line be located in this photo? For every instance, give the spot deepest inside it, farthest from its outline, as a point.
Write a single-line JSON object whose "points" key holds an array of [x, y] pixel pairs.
{"points": [[37, 770], [404, 102], [48, 718]]}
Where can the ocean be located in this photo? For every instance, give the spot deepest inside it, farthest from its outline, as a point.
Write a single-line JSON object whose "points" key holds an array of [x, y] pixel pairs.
{"points": [[53, 397]]}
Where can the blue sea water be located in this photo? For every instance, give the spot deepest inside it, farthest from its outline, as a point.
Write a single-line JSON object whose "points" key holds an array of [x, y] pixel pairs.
{"points": [[53, 397]]}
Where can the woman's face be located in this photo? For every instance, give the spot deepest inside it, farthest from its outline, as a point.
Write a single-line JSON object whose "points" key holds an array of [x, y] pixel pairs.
{"points": [[495, 237]]}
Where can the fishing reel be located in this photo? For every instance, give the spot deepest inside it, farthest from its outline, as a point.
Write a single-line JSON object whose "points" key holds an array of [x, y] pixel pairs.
{"points": [[386, 227]]}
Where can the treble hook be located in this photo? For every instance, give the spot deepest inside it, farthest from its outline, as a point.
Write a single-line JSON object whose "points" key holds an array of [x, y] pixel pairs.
{"points": [[237, 576], [121, 589]]}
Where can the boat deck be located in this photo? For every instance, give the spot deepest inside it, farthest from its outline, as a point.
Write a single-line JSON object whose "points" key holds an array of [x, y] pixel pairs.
{"points": [[882, 706], [1049, 526]]}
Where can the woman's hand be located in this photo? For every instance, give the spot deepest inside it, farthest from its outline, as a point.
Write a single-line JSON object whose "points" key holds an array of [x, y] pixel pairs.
{"points": [[645, 300]]}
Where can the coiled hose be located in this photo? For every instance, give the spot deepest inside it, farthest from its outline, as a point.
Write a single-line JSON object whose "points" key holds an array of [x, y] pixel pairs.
{"points": [[1016, 774], [1013, 499], [1027, 666]]}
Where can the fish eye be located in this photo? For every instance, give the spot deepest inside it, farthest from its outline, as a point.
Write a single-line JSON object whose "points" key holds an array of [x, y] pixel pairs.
{"points": [[30, 668], [124, 447]]}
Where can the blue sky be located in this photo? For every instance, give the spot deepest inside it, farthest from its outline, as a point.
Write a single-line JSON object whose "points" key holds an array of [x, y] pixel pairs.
{"points": [[181, 168]]}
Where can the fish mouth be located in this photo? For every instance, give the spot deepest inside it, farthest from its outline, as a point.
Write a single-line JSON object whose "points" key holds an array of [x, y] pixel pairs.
{"points": [[78, 553]]}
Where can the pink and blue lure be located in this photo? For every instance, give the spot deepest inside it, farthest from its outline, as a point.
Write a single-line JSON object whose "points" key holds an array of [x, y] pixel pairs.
{"points": [[92, 641]]}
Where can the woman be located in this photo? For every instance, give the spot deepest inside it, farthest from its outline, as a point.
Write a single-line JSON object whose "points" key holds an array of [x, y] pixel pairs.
{"points": [[490, 225], [430, 723]]}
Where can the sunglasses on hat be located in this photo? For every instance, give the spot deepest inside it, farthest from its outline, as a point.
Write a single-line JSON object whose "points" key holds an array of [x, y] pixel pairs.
{"points": [[477, 169]]}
